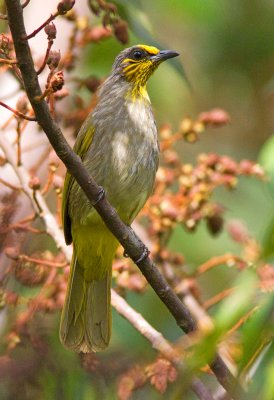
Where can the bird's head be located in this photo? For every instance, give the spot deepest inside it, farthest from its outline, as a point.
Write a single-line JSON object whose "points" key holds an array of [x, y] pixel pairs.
{"points": [[137, 63]]}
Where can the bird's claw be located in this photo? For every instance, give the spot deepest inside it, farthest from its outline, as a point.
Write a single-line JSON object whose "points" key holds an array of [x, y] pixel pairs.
{"points": [[101, 195], [143, 256]]}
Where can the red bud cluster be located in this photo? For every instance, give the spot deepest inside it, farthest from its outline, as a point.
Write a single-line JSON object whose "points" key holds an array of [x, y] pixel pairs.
{"points": [[120, 29], [183, 192], [57, 81], [53, 59], [216, 117], [34, 183], [111, 18], [5, 44], [23, 105]]}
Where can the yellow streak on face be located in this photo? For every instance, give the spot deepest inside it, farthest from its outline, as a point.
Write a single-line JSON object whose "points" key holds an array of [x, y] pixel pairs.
{"points": [[139, 71], [138, 74], [149, 49]]}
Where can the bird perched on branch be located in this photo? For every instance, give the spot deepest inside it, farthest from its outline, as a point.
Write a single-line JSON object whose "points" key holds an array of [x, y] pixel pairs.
{"points": [[118, 145]]}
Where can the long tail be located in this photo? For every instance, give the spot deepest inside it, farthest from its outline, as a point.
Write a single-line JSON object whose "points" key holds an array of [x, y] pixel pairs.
{"points": [[86, 316]]}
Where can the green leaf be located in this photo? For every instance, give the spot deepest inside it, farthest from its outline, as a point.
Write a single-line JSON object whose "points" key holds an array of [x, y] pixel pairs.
{"points": [[269, 384], [228, 314], [236, 305], [266, 159], [258, 331], [268, 240]]}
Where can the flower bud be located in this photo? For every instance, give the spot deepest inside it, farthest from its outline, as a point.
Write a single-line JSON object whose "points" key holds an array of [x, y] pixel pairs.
{"points": [[34, 183], [238, 231], [22, 104], [57, 81], [120, 28], [94, 7], [4, 44], [64, 6], [53, 59], [215, 117], [50, 30], [12, 252], [92, 83], [58, 183], [215, 224]]}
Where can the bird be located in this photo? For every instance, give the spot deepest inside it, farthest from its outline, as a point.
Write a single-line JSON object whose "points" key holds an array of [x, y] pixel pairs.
{"points": [[118, 145]]}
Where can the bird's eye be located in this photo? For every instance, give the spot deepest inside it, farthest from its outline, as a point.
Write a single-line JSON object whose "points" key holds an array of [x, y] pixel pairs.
{"points": [[138, 55]]}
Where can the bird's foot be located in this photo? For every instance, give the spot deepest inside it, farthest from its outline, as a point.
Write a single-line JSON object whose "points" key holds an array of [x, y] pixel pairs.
{"points": [[101, 195], [143, 256]]}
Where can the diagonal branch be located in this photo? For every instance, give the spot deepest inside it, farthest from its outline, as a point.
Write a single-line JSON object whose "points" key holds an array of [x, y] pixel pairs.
{"points": [[156, 339], [129, 240]]}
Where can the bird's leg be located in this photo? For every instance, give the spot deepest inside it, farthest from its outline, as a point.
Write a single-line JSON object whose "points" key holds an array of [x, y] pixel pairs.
{"points": [[145, 251], [101, 195], [143, 256]]}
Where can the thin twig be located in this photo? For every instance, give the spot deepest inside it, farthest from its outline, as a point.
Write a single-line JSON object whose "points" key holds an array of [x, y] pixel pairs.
{"points": [[156, 339], [242, 320], [24, 228], [129, 240], [9, 185], [18, 142], [18, 113], [25, 4], [41, 261], [44, 63], [34, 33], [218, 297], [226, 259], [43, 211]]}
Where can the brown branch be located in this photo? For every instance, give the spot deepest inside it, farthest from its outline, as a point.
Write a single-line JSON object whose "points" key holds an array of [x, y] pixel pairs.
{"points": [[129, 240], [9, 185], [18, 141], [23, 228], [158, 342], [226, 259], [18, 113], [218, 297], [25, 4], [47, 263], [34, 33], [44, 63]]}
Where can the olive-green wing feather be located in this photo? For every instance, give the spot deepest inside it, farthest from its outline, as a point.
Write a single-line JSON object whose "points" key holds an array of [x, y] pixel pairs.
{"points": [[81, 147]]}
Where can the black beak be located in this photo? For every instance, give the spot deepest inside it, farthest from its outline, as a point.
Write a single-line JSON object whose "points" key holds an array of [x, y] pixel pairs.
{"points": [[164, 55]]}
